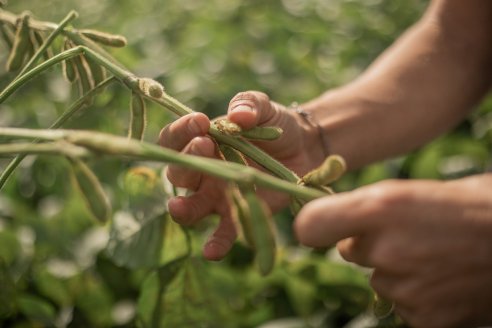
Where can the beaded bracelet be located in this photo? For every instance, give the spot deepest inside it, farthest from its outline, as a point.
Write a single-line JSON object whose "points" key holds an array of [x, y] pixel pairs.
{"points": [[309, 119]]}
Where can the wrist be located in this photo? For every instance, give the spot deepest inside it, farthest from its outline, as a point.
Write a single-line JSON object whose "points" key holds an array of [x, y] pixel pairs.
{"points": [[315, 142]]}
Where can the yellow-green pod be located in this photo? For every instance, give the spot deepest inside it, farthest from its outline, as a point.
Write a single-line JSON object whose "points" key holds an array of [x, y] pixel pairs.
{"points": [[7, 34], [98, 72], [21, 45], [150, 87], [331, 170], [263, 133], [137, 117], [39, 40], [86, 81], [68, 65], [263, 233], [91, 189], [107, 39], [381, 307], [232, 155], [242, 214]]}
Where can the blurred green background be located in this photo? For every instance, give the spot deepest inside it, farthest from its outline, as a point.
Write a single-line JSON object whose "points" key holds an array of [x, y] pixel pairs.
{"points": [[55, 268]]}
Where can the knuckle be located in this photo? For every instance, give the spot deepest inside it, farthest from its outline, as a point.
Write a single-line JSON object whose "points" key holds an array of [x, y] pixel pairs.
{"points": [[387, 194]]}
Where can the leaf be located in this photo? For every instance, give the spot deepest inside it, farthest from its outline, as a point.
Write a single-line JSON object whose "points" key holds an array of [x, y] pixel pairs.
{"points": [[10, 248], [36, 308], [136, 244], [153, 291], [7, 291]]}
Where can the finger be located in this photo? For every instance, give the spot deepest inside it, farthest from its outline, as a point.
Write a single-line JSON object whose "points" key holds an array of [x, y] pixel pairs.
{"points": [[325, 221], [355, 250], [221, 241], [188, 210], [251, 108], [178, 134], [186, 178]]}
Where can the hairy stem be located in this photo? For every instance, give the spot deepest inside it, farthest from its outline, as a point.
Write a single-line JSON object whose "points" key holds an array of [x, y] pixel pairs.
{"points": [[103, 143]]}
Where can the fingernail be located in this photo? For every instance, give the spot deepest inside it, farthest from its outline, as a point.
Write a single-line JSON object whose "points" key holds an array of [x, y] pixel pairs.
{"points": [[243, 108]]}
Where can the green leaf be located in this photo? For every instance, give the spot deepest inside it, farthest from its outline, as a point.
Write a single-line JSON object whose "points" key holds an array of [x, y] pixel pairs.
{"points": [[10, 248], [7, 291], [153, 292], [36, 309], [136, 244]]}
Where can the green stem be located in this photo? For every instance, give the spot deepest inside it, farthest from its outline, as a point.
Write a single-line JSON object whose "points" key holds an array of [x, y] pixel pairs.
{"points": [[120, 146], [74, 108], [52, 148], [49, 40]]}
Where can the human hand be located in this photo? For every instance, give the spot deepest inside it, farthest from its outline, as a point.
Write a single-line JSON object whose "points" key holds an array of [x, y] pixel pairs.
{"points": [[247, 109], [430, 244]]}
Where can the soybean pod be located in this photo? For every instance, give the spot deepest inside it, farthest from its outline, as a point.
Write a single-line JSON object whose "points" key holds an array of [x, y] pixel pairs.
{"points": [[267, 133], [263, 233], [91, 190], [21, 44], [242, 214], [106, 39], [137, 117], [329, 171], [68, 65]]}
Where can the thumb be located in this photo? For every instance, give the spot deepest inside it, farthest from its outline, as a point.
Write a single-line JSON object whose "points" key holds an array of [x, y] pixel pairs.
{"points": [[251, 108], [325, 221]]}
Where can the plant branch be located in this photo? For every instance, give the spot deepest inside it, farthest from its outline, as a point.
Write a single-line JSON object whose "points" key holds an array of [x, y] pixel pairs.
{"points": [[49, 40], [123, 147], [78, 105]]}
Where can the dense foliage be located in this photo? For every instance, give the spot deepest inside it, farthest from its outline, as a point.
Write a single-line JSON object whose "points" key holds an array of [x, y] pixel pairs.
{"points": [[59, 268]]}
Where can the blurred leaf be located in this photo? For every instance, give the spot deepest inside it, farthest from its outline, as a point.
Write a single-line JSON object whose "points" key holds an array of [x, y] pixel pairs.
{"points": [[136, 244], [10, 248], [36, 309], [53, 288], [7, 291]]}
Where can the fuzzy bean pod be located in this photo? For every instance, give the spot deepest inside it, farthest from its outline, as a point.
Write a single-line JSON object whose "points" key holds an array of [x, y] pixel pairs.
{"points": [[227, 127], [262, 133], [107, 39], [150, 87], [242, 214], [68, 65], [7, 35], [20, 47], [137, 117], [91, 190], [262, 233], [329, 171]]}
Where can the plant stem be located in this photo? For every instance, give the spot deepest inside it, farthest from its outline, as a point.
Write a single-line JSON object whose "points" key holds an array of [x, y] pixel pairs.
{"points": [[74, 108], [49, 40], [52, 148], [121, 146], [119, 72]]}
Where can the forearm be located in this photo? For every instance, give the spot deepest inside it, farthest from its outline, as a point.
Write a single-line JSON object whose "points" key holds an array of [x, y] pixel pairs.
{"points": [[419, 88]]}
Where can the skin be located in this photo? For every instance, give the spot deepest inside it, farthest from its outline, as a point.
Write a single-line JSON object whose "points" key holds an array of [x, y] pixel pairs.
{"points": [[429, 242]]}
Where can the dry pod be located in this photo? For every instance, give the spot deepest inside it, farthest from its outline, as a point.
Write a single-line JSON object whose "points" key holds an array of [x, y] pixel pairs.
{"points": [[263, 133], [262, 233], [91, 189], [150, 87], [137, 117], [107, 39], [329, 171], [20, 47]]}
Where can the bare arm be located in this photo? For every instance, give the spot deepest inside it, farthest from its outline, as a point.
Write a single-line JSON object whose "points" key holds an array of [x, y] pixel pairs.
{"points": [[419, 88]]}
